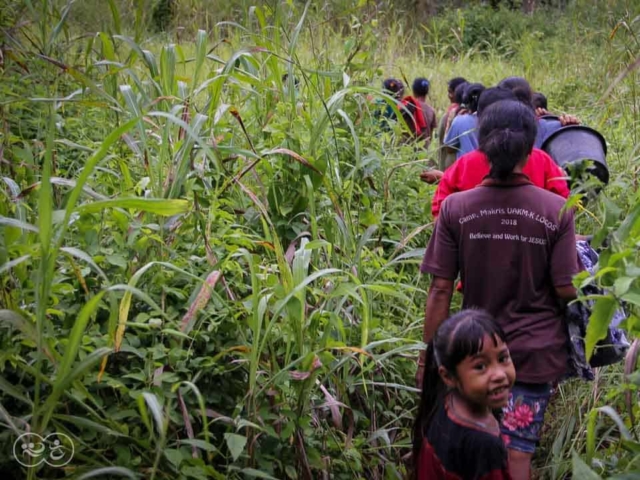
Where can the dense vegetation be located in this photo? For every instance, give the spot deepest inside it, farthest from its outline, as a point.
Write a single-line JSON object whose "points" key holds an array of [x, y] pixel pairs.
{"points": [[209, 273]]}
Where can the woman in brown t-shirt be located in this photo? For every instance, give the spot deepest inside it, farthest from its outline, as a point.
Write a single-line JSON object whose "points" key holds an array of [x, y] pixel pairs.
{"points": [[515, 252]]}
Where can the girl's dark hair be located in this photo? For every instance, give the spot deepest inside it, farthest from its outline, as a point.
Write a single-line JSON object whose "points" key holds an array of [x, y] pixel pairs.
{"points": [[506, 133], [458, 93], [539, 100], [520, 87], [392, 86], [454, 82], [472, 95], [493, 95], [457, 338], [420, 87]]}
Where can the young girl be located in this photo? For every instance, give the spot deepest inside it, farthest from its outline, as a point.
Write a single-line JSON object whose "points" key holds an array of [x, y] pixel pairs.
{"points": [[468, 374]]}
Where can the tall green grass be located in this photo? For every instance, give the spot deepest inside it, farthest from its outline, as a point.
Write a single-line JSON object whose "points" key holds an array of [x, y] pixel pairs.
{"points": [[210, 273]]}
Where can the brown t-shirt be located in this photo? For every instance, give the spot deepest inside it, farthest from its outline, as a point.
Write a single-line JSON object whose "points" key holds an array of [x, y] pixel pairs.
{"points": [[511, 246], [429, 118]]}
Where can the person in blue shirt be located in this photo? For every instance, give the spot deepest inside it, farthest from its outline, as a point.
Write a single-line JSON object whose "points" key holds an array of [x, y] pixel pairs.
{"points": [[462, 137], [446, 156]]}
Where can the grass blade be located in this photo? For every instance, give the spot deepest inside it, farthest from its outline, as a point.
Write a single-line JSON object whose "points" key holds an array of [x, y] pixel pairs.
{"points": [[159, 206]]}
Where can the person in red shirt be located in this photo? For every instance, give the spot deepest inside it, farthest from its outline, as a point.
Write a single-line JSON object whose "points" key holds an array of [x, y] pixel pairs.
{"points": [[468, 374], [414, 116], [419, 115], [470, 169]]}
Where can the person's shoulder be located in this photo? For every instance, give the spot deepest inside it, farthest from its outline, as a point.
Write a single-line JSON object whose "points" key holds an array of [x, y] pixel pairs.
{"points": [[474, 156], [454, 170], [548, 126], [454, 202], [456, 122], [470, 161], [450, 205], [540, 156], [466, 119], [546, 198], [539, 153]]}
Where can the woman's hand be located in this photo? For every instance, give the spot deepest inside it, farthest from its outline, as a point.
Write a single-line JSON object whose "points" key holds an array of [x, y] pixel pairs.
{"points": [[564, 119], [541, 112], [431, 176], [568, 120]]}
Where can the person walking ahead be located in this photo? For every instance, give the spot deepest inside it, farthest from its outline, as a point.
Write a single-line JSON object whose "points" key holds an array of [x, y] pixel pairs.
{"points": [[515, 251]]}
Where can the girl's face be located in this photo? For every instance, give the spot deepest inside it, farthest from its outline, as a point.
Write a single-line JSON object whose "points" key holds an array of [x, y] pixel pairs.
{"points": [[485, 379]]}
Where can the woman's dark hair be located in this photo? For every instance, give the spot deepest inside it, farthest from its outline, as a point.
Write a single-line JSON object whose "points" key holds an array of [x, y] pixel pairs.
{"points": [[457, 338], [539, 100], [454, 82], [472, 95], [520, 87], [493, 95], [392, 86], [420, 87], [458, 93], [506, 133]]}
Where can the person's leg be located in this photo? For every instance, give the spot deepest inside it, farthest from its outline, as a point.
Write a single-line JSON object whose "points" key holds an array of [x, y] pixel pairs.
{"points": [[520, 464], [521, 423]]}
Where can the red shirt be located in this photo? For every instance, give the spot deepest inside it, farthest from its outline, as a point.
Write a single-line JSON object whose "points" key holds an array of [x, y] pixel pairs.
{"points": [[470, 169], [414, 115]]}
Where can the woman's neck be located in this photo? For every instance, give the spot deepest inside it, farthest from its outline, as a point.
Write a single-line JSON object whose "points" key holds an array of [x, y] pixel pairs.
{"points": [[518, 169]]}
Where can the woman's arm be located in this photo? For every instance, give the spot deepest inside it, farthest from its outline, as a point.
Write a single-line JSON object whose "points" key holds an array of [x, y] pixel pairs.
{"points": [[437, 308], [446, 187], [452, 137], [555, 178], [442, 263], [564, 258], [566, 293], [436, 312]]}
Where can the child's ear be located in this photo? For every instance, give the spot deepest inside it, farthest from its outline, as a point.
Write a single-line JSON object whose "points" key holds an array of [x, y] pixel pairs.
{"points": [[446, 377]]}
